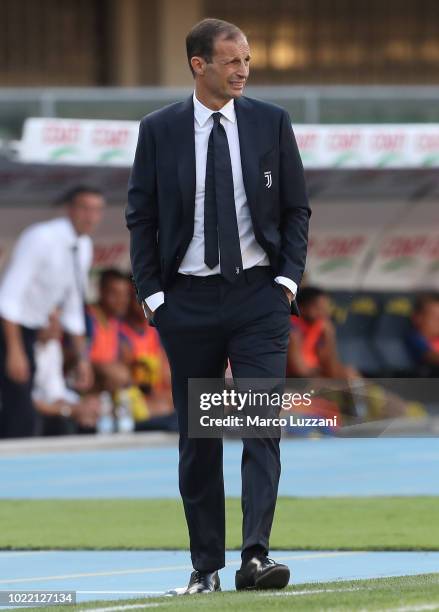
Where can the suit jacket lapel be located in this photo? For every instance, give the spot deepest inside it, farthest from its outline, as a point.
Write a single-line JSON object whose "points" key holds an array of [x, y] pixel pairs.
{"points": [[249, 147], [182, 131]]}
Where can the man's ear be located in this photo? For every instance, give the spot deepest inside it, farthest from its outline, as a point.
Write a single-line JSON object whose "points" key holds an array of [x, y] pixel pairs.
{"points": [[198, 65]]}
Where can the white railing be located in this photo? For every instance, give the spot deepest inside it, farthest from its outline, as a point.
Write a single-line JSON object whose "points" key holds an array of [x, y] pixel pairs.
{"points": [[311, 99]]}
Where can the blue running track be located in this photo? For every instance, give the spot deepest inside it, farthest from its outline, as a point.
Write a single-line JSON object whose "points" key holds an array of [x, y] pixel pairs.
{"points": [[327, 467]]}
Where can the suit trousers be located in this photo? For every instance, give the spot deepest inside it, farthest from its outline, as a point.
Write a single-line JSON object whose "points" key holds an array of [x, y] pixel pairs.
{"points": [[204, 322], [17, 412]]}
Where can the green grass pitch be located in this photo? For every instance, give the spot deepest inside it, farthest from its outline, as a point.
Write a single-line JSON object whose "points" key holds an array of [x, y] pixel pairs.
{"points": [[345, 523], [407, 593], [371, 523]]}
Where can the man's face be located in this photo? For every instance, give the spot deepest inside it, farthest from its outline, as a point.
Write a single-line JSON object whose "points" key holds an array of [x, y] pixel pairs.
{"points": [[317, 309], [115, 298], [86, 212], [427, 321], [225, 76]]}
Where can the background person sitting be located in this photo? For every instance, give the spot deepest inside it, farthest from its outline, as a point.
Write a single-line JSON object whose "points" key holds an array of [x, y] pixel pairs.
{"points": [[312, 348], [423, 339], [313, 353], [103, 329], [141, 350], [61, 410]]}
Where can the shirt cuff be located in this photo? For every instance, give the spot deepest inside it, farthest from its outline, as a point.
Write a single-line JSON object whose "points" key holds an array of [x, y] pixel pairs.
{"points": [[10, 311], [155, 300], [288, 283]]}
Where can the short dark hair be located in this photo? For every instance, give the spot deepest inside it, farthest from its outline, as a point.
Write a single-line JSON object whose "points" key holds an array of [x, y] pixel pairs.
{"points": [[201, 38], [69, 196], [110, 275], [308, 295], [425, 299]]}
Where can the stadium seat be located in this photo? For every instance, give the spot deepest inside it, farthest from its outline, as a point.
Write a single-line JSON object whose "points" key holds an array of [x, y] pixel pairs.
{"points": [[355, 334], [340, 305], [390, 335]]}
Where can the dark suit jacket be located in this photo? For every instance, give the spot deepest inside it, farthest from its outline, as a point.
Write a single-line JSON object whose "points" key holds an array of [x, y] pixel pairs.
{"points": [[161, 191]]}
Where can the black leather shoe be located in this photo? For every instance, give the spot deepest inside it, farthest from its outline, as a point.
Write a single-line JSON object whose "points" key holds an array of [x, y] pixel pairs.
{"points": [[203, 582], [262, 573]]}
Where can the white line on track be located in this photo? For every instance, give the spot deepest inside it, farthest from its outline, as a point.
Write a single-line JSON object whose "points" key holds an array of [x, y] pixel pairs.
{"points": [[22, 553], [116, 608], [311, 592], [414, 608], [170, 568], [122, 592], [142, 570], [321, 555]]}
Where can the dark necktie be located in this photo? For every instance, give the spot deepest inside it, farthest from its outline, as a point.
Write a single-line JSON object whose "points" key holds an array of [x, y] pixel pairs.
{"points": [[221, 235], [78, 278], [77, 272]]}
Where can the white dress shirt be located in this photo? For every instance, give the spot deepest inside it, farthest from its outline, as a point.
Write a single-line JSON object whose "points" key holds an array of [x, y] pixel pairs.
{"points": [[41, 276], [49, 385], [251, 251]]}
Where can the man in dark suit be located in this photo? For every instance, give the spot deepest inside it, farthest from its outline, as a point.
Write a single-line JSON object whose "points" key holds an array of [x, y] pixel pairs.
{"points": [[218, 216]]}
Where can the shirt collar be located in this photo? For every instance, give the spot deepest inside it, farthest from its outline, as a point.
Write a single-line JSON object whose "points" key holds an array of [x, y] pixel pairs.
{"points": [[66, 227], [202, 113]]}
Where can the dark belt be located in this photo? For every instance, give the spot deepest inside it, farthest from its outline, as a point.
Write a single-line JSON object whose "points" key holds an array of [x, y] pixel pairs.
{"points": [[250, 275]]}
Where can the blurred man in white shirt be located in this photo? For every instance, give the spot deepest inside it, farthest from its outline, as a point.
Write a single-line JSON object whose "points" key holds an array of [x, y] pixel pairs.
{"points": [[48, 269]]}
